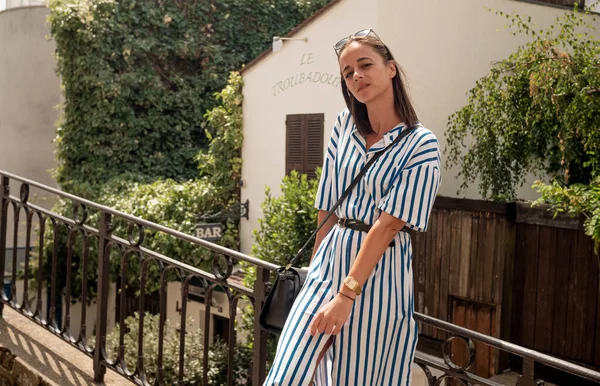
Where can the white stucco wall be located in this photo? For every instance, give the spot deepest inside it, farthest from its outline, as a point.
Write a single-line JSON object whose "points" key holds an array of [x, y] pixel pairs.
{"points": [[266, 104], [29, 93], [444, 47]]}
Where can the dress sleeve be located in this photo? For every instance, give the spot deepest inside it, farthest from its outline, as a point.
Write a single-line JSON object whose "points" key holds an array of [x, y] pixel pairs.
{"points": [[326, 198], [414, 187]]}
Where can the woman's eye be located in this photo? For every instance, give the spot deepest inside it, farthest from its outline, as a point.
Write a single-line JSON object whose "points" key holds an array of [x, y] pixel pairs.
{"points": [[366, 65], [348, 75]]}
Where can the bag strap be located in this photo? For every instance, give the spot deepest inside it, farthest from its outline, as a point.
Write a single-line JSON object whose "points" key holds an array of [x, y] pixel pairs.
{"points": [[354, 182]]}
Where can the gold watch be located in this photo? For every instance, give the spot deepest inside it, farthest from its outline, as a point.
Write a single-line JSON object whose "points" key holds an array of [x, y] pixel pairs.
{"points": [[353, 285]]}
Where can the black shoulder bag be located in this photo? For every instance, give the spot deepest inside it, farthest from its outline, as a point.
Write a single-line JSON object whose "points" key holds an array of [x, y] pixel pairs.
{"points": [[289, 280]]}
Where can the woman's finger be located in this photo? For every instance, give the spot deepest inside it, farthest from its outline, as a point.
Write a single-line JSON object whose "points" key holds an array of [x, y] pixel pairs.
{"points": [[327, 327], [315, 323], [335, 330]]}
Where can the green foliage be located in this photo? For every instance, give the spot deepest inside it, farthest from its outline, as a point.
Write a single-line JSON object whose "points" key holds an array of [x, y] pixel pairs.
{"points": [[193, 353], [164, 202], [288, 220], [537, 111], [575, 200], [218, 358], [138, 76], [222, 164]]}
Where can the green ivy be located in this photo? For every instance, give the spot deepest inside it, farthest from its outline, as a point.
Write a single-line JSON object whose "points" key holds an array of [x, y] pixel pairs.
{"points": [[537, 111], [221, 165], [139, 75]]}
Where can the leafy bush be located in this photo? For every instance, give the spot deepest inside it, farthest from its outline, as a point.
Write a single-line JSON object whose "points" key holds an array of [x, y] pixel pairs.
{"points": [[164, 202], [537, 111], [167, 202], [575, 200], [193, 353], [288, 220]]}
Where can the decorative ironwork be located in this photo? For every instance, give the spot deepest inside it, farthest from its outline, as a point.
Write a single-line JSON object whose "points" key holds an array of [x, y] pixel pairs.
{"points": [[131, 250], [130, 234], [234, 212], [446, 351], [84, 214], [24, 193], [217, 267]]}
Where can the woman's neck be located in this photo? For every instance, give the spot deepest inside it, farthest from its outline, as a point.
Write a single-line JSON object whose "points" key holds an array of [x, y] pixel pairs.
{"points": [[383, 115]]}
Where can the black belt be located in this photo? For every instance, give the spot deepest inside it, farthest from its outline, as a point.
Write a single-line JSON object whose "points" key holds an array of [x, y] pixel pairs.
{"points": [[358, 225]]}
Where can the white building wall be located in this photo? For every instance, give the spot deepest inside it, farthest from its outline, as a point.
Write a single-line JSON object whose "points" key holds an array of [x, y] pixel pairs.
{"points": [[444, 47], [267, 101], [29, 93]]}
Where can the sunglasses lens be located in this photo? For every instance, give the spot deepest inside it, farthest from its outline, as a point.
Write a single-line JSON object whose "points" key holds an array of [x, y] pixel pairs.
{"points": [[341, 43], [362, 33]]}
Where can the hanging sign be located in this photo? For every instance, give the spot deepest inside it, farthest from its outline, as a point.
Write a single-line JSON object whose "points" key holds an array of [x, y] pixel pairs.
{"points": [[209, 232]]}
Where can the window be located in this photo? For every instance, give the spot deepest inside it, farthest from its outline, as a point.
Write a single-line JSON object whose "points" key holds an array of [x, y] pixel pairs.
{"points": [[221, 329], [304, 143]]}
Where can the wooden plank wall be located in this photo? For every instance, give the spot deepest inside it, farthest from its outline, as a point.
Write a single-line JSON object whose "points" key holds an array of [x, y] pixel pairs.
{"points": [[538, 274], [556, 303], [462, 255]]}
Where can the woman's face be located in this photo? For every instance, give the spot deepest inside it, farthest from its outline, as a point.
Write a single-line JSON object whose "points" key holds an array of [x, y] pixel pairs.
{"points": [[367, 75]]}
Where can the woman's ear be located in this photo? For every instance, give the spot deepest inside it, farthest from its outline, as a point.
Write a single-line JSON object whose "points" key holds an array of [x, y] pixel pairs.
{"points": [[393, 68]]}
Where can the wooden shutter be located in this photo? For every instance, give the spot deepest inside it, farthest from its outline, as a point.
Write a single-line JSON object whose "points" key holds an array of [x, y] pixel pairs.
{"points": [[293, 143], [314, 147], [304, 143]]}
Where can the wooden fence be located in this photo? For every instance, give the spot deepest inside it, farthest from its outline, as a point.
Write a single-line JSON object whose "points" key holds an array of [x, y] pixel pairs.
{"points": [[513, 272]]}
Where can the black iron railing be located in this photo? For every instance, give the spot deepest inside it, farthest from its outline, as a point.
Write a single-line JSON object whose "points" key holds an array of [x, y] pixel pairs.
{"points": [[131, 247]]}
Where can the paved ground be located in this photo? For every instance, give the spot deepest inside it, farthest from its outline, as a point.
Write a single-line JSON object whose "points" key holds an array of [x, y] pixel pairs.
{"points": [[55, 359]]}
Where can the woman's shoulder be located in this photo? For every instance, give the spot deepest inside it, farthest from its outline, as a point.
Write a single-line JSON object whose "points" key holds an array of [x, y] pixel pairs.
{"points": [[345, 115], [424, 136], [345, 121]]}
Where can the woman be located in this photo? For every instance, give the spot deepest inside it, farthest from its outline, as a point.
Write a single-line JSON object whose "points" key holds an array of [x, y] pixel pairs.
{"points": [[352, 323]]}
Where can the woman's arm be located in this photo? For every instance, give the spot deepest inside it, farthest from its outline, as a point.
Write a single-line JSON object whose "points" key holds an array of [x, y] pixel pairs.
{"points": [[324, 230], [331, 317], [379, 237]]}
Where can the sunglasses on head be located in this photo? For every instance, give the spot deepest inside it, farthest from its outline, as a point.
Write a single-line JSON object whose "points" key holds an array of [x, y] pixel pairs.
{"points": [[362, 33]]}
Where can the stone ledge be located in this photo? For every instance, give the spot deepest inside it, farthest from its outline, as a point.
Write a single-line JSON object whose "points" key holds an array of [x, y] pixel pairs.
{"points": [[15, 371], [55, 360]]}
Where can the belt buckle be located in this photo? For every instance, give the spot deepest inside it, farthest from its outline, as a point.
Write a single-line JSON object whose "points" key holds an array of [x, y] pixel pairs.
{"points": [[342, 222]]}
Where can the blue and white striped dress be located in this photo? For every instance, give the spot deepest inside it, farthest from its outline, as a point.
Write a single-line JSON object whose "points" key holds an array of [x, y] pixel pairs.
{"points": [[377, 344]]}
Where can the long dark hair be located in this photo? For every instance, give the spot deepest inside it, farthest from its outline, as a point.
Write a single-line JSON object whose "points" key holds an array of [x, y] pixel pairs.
{"points": [[402, 102]]}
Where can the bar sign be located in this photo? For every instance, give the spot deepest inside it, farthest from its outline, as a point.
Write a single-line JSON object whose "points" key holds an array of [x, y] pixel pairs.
{"points": [[209, 232]]}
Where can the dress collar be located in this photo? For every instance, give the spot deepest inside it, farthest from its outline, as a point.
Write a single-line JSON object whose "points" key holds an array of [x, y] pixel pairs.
{"points": [[387, 138]]}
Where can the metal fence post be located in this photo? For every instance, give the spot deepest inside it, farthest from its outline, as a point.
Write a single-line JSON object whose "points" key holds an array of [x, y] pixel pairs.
{"points": [[259, 356], [5, 191], [105, 228]]}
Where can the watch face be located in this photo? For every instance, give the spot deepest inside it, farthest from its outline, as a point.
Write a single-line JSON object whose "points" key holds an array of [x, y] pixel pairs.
{"points": [[352, 283]]}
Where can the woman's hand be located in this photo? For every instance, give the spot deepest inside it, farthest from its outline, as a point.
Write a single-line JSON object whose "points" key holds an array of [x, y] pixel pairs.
{"points": [[331, 317]]}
